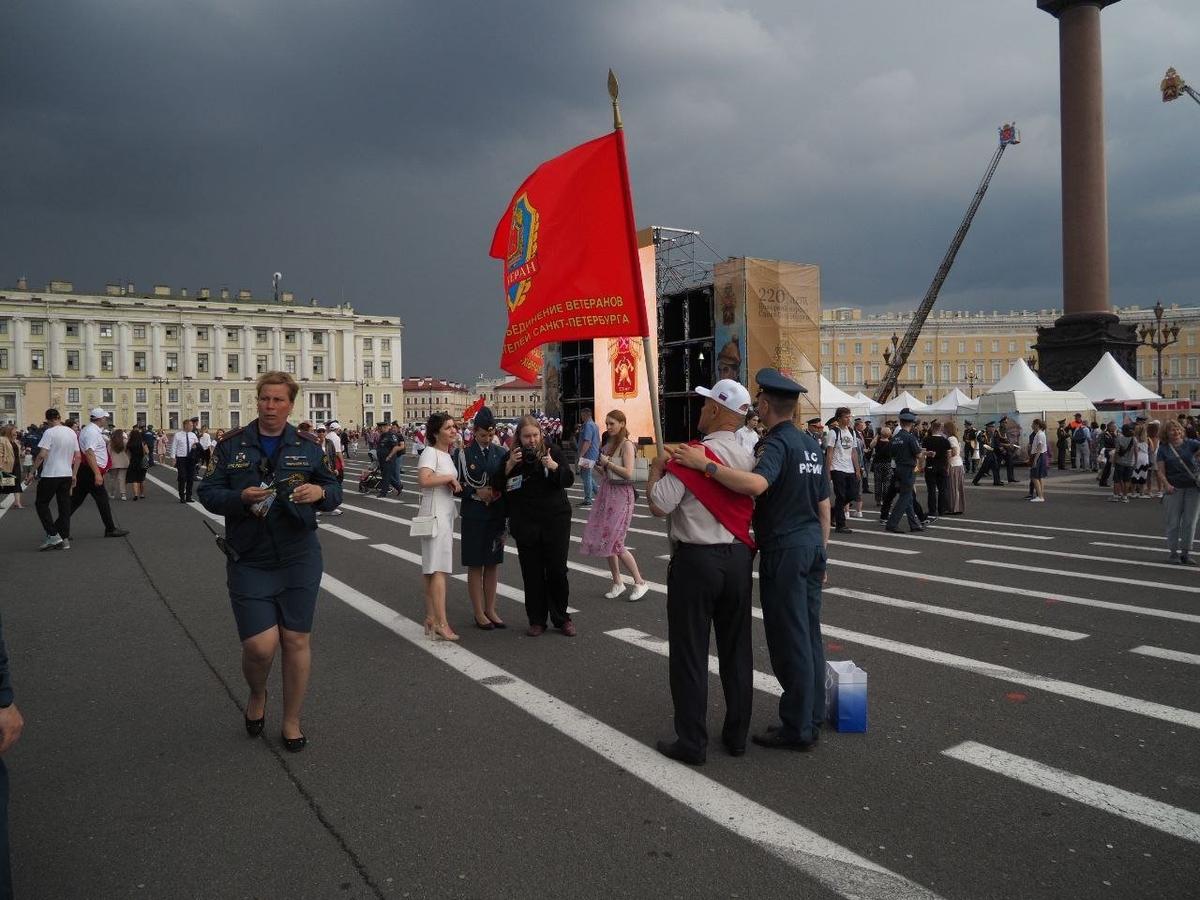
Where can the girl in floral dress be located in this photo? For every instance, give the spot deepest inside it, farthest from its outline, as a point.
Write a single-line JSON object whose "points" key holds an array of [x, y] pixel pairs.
{"points": [[604, 534]]}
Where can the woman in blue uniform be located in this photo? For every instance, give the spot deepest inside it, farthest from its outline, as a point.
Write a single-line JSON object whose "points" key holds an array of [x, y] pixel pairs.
{"points": [[479, 463], [268, 481]]}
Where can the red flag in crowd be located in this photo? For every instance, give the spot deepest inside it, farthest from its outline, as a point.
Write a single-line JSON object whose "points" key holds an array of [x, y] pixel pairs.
{"points": [[569, 248], [472, 409]]}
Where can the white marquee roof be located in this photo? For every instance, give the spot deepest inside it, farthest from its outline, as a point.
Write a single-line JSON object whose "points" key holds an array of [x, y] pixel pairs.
{"points": [[1108, 381], [1019, 378], [952, 402], [833, 396], [900, 401]]}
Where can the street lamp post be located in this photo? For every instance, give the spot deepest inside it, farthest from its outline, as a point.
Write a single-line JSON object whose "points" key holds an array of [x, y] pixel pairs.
{"points": [[889, 353], [362, 390], [1159, 337], [971, 383], [162, 403]]}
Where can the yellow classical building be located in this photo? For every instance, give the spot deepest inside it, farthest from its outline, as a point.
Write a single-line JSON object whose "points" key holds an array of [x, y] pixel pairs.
{"points": [[159, 357], [971, 351]]}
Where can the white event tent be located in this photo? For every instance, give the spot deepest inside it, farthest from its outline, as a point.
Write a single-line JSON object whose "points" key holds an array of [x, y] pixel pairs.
{"points": [[901, 401], [873, 408], [833, 396], [954, 402], [1022, 396], [1109, 383]]}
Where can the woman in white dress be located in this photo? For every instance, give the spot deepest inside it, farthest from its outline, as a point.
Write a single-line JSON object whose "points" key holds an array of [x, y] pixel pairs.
{"points": [[438, 478]]}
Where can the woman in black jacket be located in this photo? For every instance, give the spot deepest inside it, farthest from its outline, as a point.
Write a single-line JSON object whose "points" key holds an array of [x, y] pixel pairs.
{"points": [[534, 480]]}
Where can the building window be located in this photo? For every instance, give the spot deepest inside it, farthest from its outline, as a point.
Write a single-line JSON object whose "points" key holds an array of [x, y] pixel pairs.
{"points": [[318, 339], [979, 346], [912, 371], [826, 370], [235, 419], [1174, 366], [289, 337], [72, 329], [945, 372], [235, 395], [824, 349], [387, 399], [260, 335], [318, 365], [368, 368], [139, 332], [3, 326], [3, 359], [289, 365], [368, 399], [72, 360], [385, 369], [205, 418], [841, 379], [204, 395], [928, 373], [202, 333], [858, 375], [139, 395], [858, 349], [962, 371], [320, 407], [368, 343], [173, 420], [962, 346], [72, 395], [995, 346], [841, 348], [995, 371], [139, 362], [929, 346], [231, 364], [37, 328], [945, 345], [260, 365], [172, 395], [370, 420], [106, 360], [1191, 369], [1191, 339], [1012, 346], [105, 331], [385, 344], [172, 362], [875, 371], [142, 419], [106, 395]]}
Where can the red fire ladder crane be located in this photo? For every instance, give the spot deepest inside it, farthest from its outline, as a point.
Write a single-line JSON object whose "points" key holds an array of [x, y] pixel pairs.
{"points": [[896, 359], [1173, 87]]}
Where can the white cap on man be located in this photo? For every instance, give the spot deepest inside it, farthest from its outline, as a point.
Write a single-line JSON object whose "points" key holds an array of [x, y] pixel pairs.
{"points": [[729, 394], [99, 413], [334, 425]]}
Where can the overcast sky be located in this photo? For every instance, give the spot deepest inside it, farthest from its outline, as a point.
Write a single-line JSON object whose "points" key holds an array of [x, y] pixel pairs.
{"points": [[366, 148]]}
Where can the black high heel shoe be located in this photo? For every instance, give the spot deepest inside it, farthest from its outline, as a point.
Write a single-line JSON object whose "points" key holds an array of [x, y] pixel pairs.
{"points": [[294, 745], [254, 727]]}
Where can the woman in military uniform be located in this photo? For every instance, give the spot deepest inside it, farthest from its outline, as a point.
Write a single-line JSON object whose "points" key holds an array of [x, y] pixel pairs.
{"points": [[483, 515], [268, 481]]}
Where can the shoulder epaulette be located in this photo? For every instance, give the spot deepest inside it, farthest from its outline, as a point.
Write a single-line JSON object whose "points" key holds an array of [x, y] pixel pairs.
{"points": [[230, 434], [309, 436]]}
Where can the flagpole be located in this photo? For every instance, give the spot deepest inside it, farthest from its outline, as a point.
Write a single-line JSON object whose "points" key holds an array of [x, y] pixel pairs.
{"points": [[650, 360]]}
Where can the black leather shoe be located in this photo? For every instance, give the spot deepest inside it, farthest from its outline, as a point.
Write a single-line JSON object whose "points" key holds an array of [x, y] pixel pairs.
{"points": [[844, 530], [254, 727], [116, 532], [774, 741], [674, 751], [734, 750], [294, 745]]}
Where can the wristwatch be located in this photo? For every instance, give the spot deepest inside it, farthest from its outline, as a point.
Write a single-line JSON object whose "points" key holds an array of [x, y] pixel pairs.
{"points": [[710, 470]]}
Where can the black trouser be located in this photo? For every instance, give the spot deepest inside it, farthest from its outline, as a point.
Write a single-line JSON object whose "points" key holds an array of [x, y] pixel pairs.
{"points": [[1108, 467], [87, 486], [971, 462], [889, 497], [185, 474], [845, 492], [1008, 464], [935, 490], [710, 587], [990, 464], [60, 490], [542, 546], [1062, 457]]}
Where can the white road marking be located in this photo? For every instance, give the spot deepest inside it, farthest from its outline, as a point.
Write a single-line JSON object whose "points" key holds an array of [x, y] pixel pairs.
{"points": [[931, 536], [1159, 585], [1164, 653], [768, 684], [1162, 548], [1154, 814], [1148, 708], [949, 613], [941, 526], [1026, 593], [833, 865], [1082, 531], [342, 532]]}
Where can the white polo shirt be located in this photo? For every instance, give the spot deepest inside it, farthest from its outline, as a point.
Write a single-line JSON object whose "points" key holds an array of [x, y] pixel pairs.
{"points": [[182, 443], [336, 439], [60, 445], [92, 438], [844, 443]]}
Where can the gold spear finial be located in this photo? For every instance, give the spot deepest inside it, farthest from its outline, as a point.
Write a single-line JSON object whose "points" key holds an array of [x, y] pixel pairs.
{"points": [[612, 92]]}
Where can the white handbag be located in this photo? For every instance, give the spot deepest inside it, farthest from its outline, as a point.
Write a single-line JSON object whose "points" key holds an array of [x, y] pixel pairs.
{"points": [[423, 526]]}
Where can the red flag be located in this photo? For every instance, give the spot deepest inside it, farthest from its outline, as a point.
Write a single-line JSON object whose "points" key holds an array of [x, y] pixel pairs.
{"points": [[569, 247], [471, 410]]}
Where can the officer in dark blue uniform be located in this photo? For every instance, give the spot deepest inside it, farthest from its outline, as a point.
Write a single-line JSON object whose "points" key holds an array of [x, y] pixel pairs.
{"points": [[907, 455], [791, 526], [268, 481], [479, 463]]}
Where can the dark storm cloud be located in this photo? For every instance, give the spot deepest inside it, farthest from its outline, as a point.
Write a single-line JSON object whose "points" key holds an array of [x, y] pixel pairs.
{"points": [[366, 149]]}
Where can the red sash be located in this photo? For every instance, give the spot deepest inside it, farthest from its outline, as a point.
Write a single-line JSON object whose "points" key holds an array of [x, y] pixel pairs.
{"points": [[731, 509]]}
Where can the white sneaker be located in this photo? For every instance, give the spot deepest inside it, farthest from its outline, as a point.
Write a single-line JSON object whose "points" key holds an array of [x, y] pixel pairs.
{"points": [[1037, 499], [66, 544], [614, 592], [639, 591], [52, 542], [1125, 499], [335, 512]]}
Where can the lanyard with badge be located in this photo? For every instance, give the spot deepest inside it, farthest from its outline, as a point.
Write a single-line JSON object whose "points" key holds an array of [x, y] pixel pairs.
{"points": [[266, 468]]}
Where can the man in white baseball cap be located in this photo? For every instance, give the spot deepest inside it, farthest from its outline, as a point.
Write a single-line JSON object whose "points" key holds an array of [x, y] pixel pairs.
{"points": [[89, 480], [729, 394]]}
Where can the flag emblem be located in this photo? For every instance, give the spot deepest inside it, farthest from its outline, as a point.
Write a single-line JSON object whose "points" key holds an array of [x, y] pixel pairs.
{"points": [[521, 261]]}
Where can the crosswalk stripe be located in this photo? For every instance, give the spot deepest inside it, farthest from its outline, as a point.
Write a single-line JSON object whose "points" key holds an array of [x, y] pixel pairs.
{"points": [[931, 536], [950, 613], [1162, 548], [1154, 814], [1159, 585], [768, 684], [1164, 653], [1027, 593], [1148, 708], [835, 866], [1083, 530], [342, 532]]}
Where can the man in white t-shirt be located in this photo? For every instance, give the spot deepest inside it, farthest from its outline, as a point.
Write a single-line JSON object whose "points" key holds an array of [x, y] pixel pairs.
{"points": [[843, 464], [93, 463], [184, 445], [57, 457]]}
